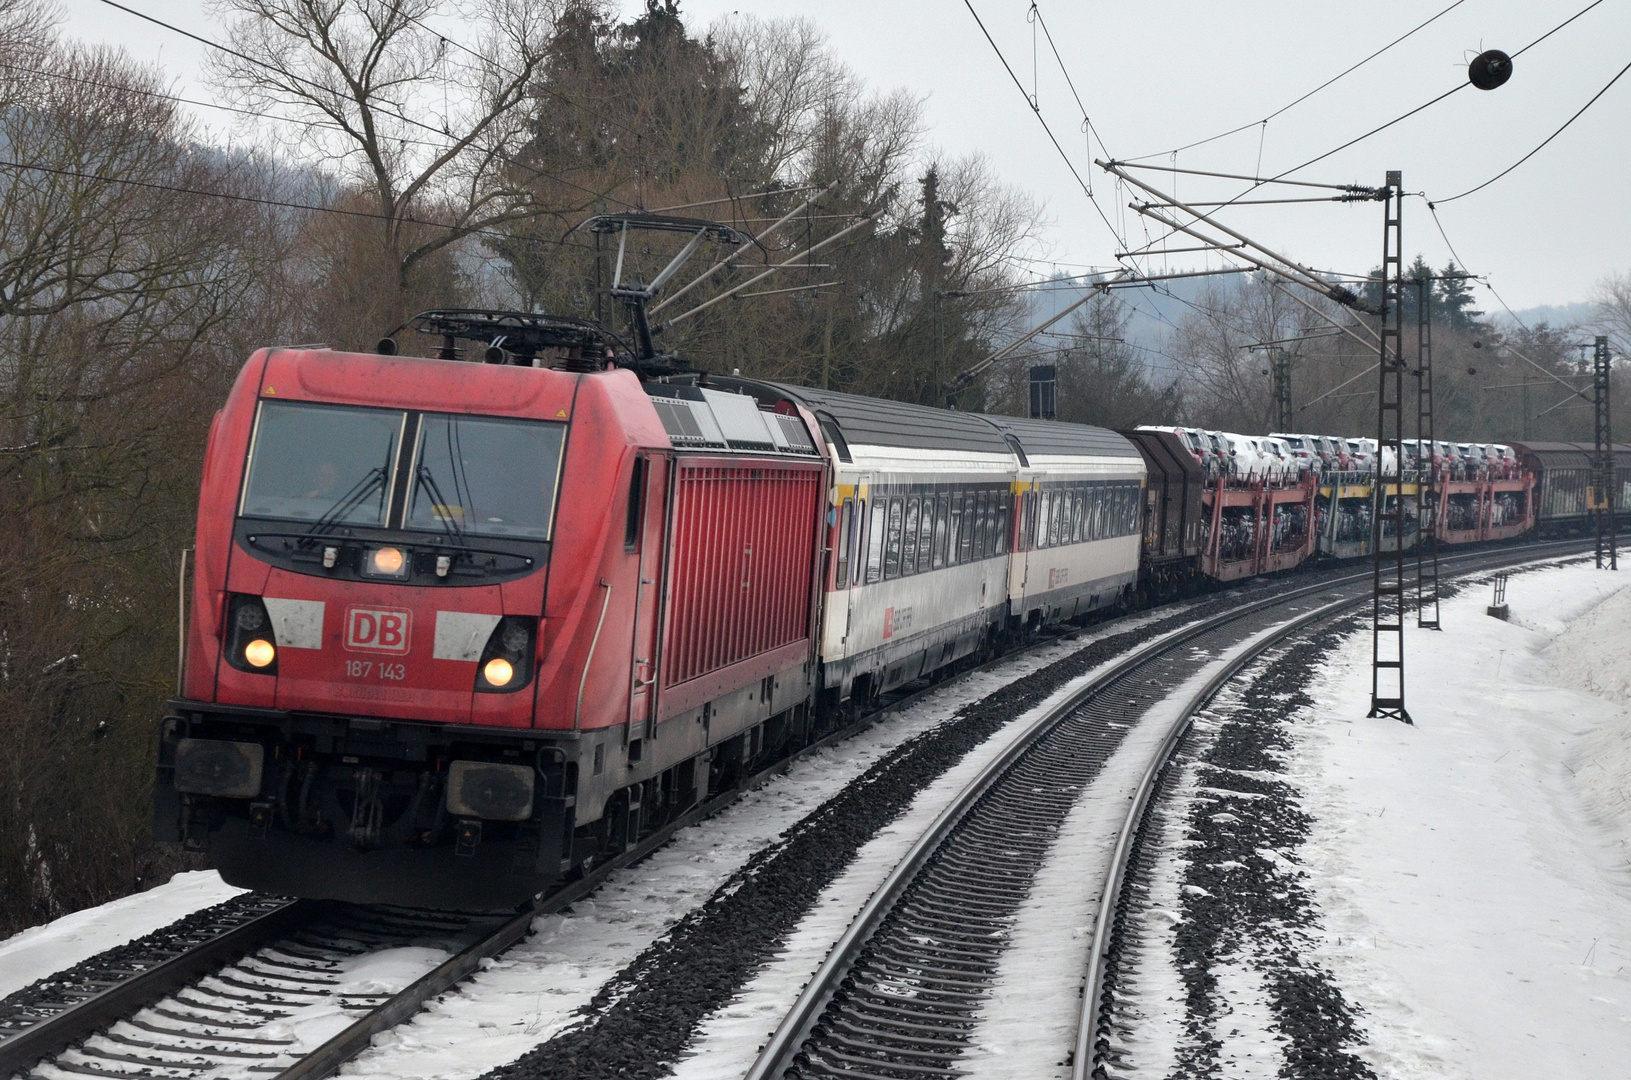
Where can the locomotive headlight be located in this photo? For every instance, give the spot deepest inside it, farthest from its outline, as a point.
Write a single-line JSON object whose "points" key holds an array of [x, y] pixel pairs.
{"points": [[251, 639], [506, 664], [387, 562]]}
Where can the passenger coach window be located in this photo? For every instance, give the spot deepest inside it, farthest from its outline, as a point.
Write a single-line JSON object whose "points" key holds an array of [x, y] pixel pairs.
{"points": [[322, 463], [965, 546], [891, 563], [941, 524], [844, 518], [485, 476], [874, 544], [925, 534], [908, 557]]}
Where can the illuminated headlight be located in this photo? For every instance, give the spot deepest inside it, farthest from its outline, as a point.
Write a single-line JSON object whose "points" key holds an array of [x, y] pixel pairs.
{"points": [[387, 562], [251, 643], [506, 662]]}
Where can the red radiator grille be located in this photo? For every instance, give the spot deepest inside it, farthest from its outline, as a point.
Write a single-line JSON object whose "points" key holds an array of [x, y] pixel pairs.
{"points": [[744, 551]]}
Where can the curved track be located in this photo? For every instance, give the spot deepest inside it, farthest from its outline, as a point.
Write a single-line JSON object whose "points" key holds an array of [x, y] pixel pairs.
{"points": [[899, 993], [196, 1003]]}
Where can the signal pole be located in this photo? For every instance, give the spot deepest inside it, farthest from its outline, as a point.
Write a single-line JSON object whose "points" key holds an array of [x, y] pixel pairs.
{"points": [[1280, 364], [1426, 475], [1387, 568], [1605, 481]]}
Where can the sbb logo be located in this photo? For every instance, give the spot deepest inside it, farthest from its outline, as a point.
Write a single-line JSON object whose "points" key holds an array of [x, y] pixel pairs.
{"points": [[377, 629]]}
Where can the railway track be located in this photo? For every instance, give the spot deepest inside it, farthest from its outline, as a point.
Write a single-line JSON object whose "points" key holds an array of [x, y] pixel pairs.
{"points": [[900, 992], [198, 1003]]}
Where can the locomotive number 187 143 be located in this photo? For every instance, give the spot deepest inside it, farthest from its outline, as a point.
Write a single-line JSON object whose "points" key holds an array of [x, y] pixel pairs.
{"points": [[362, 669]]}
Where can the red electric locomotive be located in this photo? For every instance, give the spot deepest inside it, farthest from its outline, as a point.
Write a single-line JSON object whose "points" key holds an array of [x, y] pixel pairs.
{"points": [[428, 597]]}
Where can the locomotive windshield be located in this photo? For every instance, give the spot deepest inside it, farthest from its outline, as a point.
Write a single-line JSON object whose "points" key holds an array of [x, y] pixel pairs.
{"points": [[488, 477], [322, 463], [338, 465]]}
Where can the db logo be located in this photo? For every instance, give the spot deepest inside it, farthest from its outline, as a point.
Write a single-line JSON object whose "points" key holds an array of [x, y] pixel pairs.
{"points": [[377, 629]]}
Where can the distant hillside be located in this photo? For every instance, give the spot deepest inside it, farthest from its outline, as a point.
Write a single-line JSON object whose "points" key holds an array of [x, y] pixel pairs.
{"points": [[1156, 310], [1577, 314]]}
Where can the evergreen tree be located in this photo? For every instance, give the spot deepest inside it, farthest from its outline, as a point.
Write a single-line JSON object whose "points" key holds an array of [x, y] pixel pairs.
{"points": [[1453, 302]]}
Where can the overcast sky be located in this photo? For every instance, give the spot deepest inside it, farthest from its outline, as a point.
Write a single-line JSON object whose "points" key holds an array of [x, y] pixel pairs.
{"points": [[1159, 74]]}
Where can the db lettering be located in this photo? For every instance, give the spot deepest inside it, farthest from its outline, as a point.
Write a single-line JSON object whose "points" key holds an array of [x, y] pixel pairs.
{"points": [[377, 630]]}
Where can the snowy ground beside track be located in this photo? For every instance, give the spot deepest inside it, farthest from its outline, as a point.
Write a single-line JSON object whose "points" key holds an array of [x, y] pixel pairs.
{"points": [[46, 949], [1474, 870], [535, 990]]}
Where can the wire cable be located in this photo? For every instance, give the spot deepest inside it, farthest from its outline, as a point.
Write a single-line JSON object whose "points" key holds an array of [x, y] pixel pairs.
{"points": [[318, 86], [1543, 144], [74, 174], [1086, 189], [1340, 75], [1456, 89]]}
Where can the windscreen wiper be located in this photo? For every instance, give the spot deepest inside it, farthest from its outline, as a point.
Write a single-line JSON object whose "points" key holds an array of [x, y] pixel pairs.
{"points": [[428, 481], [362, 489]]}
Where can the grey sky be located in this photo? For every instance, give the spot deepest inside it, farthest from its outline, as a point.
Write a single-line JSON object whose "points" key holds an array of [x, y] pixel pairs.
{"points": [[1158, 74]]}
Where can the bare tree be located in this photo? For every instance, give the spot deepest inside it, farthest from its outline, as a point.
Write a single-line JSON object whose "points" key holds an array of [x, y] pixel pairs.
{"points": [[115, 279], [1611, 303], [426, 126]]}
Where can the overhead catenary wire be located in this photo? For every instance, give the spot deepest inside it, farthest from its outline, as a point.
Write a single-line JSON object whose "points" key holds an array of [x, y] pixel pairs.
{"points": [[1298, 101], [1404, 116], [1037, 112], [1545, 142], [757, 240], [162, 96], [863, 219], [1543, 369], [793, 289], [284, 204]]}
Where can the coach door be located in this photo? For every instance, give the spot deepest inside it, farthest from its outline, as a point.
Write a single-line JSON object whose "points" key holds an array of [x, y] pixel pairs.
{"points": [[856, 567], [643, 531]]}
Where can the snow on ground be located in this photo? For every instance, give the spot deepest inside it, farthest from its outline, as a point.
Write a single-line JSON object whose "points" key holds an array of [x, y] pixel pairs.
{"points": [[1473, 869], [46, 949], [1149, 1009], [534, 990], [1030, 1022]]}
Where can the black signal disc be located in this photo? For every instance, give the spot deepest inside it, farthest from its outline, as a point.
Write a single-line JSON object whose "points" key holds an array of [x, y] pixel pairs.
{"points": [[1490, 69]]}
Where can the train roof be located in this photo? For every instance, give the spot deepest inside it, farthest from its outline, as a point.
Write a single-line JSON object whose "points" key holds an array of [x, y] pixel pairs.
{"points": [[866, 421], [1566, 455]]}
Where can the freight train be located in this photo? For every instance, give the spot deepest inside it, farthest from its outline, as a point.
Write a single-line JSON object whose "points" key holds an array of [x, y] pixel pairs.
{"points": [[461, 628]]}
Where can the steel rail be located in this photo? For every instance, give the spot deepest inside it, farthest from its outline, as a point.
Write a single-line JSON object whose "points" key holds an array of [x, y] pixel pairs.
{"points": [[58, 1032], [795, 1027], [72, 1025], [778, 1054], [1084, 1059]]}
